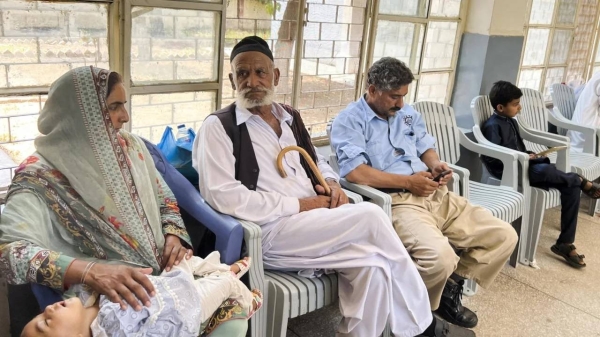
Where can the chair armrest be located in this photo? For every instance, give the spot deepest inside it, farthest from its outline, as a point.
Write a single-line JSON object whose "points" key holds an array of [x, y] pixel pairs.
{"points": [[508, 157], [549, 139], [379, 198], [353, 198], [228, 231], [253, 238], [510, 177], [540, 137], [454, 184], [589, 133], [463, 183], [256, 274]]}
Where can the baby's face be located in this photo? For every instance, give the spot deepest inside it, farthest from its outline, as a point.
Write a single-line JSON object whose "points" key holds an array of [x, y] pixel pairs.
{"points": [[59, 319]]}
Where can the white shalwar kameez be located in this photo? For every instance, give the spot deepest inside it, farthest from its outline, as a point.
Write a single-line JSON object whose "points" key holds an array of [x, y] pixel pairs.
{"points": [[587, 112], [377, 278]]}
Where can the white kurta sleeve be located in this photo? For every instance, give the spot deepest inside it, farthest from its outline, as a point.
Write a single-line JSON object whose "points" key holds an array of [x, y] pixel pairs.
{"points": [[213, 159]]}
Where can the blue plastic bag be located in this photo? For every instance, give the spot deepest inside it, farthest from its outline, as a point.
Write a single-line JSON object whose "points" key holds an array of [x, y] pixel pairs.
{"points": [[179, 153]]}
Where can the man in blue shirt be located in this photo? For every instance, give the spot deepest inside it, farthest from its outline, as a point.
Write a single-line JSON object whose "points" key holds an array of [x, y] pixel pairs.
{"points": [[383, 143]]}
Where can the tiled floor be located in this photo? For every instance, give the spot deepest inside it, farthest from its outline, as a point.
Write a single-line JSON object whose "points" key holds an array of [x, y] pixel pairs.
{"points": [[555, 300]]}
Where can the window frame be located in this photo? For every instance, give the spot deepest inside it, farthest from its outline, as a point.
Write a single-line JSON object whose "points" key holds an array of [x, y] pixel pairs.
{"points": [[148, 89], [375, 16], [552, 27]]}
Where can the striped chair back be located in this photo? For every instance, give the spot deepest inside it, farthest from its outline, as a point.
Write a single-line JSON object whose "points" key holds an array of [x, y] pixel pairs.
{"points": [[441, 124], [482, 109], [564, 100], [533, 114]]}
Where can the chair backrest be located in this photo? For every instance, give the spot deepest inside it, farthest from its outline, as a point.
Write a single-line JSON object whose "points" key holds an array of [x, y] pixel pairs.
{"points": [[179, 185], [441, 124], [533, 110], [563, 98], [481, 109]]}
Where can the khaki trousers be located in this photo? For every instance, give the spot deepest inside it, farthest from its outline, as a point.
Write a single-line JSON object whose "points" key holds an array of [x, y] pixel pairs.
{"points": [[430, 227]]}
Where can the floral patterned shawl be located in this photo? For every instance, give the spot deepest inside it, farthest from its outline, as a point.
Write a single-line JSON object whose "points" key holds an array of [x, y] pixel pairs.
{"points": [[89, 192]]}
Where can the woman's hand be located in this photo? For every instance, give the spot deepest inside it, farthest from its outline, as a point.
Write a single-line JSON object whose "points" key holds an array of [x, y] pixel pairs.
{"points": [[174, 252], [121, 284]]}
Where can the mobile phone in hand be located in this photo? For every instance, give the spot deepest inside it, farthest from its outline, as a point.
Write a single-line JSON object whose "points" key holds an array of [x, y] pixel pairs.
{"points": [[441, 175]]}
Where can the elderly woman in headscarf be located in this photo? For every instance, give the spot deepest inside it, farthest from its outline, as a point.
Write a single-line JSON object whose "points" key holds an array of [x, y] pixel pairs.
{"points": [[587, 112], [88, 207]]}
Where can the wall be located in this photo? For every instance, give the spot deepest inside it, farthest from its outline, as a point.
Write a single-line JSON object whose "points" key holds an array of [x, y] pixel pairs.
{"points": [[490, 51]]}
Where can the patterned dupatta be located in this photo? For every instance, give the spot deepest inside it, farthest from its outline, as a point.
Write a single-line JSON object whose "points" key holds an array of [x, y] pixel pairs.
{"points": [[94, 179]]}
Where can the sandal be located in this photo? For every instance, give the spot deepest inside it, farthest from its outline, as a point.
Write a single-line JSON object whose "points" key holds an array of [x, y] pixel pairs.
{"points": [[257, 302], [593, 191], [569, 253], [244, 265]]}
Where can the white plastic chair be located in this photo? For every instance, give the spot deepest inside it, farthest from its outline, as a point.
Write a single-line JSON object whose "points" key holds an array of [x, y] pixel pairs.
{"points": [[564, 100], [534, 118], [504, 201], [511, 206], [537, 200]]}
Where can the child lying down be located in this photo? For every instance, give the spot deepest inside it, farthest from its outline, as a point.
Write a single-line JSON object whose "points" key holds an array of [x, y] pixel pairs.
{"points": [[194, 292]]}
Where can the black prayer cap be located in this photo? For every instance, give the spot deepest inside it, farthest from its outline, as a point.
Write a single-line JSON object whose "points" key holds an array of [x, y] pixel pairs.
{"points": [[251, 43]]}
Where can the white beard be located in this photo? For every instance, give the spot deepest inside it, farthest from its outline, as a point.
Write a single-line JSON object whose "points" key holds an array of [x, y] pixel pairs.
{"points": [[247, 103]]}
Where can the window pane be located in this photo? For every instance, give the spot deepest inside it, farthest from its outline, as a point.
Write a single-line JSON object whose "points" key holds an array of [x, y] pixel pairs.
{"points": [[40, 41], [329, 66], [439, 45], [404, 7], [582, 48], [541, 12], [433, 87], [553, 75], [18, 128], [560, 46], [252, 18], [445, 8], [530, 78], [151, 114], [173, 45], [566, 12], [402, 40], [535, 48]]}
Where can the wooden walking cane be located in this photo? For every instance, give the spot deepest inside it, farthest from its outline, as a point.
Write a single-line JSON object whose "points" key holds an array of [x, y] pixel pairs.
{"points": [[308, 159]]}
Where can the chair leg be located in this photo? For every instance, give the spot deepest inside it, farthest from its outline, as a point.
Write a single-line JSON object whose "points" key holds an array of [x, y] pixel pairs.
{"points": [[278, 313], [470, 288], [514, 257], [592, 207], [258, 322], [537, 209]]}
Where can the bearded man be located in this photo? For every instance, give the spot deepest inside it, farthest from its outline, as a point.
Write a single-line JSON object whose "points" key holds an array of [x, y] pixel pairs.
{"points": [[303, 229]]}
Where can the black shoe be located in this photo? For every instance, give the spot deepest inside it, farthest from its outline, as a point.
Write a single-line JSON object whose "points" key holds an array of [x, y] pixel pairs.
{"points": [[451, 308], [443, 329]]}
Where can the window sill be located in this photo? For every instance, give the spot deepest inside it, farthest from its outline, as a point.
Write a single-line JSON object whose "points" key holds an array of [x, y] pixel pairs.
{"points": [[320, 141]]}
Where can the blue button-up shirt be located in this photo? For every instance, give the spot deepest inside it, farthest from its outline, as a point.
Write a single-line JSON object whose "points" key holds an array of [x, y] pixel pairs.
{"points": [[395, 145]]}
